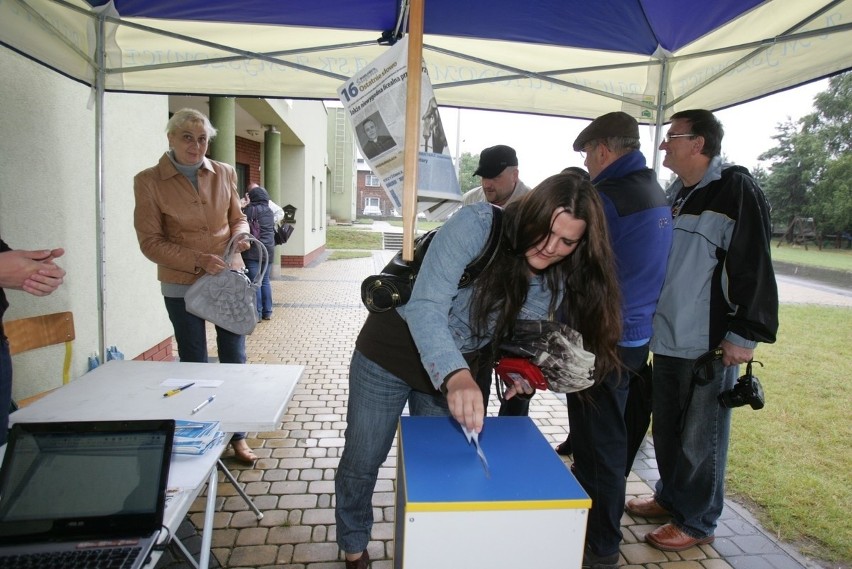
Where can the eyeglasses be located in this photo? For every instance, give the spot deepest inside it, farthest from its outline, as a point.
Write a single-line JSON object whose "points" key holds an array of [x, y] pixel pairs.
{"points": [[669, 137]]}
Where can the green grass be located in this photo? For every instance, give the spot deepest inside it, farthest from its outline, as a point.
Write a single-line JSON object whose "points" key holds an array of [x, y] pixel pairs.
{"points": [[792, 458], [340, 255], [350, 238], [837, 259]]}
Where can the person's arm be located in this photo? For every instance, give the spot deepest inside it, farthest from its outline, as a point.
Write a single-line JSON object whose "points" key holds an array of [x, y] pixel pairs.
{"points": [[31, 271], [751, 278], [428, 312]]}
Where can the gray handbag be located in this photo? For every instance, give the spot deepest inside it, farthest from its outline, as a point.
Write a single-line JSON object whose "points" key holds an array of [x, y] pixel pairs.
{"points": [[227, 299]]}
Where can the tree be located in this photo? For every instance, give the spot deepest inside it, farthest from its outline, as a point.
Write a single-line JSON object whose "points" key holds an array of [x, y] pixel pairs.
{"points": [[831, 121], [810, 169], [791, 177], [832, 196], [468, 163]]}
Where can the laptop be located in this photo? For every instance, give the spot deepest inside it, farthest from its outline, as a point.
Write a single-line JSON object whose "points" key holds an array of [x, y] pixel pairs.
{"points": [[84, 490]]}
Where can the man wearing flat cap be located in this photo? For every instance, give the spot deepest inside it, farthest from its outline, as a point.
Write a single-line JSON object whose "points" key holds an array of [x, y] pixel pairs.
{"points": [[639, 222], [498, 167]]}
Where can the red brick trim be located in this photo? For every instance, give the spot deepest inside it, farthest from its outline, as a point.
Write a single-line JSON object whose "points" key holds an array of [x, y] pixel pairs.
{"points": [[302, 260], [162, 352]]}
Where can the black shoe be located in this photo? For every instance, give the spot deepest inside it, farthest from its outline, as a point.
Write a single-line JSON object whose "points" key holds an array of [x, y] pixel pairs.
{"points": [[361, 563], [267, 317], [594, 561], [564, 449]]}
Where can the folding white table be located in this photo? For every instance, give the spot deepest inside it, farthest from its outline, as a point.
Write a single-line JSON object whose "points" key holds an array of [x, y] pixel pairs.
{"points": [[251, 397]]}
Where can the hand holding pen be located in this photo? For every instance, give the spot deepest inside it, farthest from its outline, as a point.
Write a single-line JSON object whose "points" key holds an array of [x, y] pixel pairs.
{"points": [[202, 404], [177, 390]]}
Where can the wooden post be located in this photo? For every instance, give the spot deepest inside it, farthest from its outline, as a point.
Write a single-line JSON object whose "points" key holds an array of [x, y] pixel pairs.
{"points": [[412, 127]]}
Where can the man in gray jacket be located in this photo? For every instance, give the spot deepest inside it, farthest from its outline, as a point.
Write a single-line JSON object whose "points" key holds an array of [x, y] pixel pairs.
{"points": [[719, 300]]}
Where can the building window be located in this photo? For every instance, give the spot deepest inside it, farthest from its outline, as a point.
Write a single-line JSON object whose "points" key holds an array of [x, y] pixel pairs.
{"points": [[371, 180], [242, 178]]}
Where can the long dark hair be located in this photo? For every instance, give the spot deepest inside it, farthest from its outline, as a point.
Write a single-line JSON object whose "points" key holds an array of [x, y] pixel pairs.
{"points": [[503, 286]]}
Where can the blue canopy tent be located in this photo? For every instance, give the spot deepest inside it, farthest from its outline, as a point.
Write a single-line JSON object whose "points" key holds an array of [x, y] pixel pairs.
{"points": [[570, 58]]}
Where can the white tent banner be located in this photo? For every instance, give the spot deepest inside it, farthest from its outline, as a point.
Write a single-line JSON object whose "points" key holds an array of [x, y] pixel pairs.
{"points": [[774, 45], [375, 100]]}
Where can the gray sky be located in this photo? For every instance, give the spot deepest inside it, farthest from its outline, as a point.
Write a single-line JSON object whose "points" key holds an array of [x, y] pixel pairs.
{"points": [[544, 143]]}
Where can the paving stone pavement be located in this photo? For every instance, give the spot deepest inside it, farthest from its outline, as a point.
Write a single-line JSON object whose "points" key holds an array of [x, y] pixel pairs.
{"points": [[317, 315]]}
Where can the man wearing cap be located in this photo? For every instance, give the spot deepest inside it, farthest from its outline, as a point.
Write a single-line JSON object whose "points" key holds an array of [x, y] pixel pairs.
{"points": [[720, 292], [498, 167], [640, 231]]}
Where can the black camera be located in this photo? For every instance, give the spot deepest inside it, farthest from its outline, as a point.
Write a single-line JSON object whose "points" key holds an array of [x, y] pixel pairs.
{"points": [[747, 391]]}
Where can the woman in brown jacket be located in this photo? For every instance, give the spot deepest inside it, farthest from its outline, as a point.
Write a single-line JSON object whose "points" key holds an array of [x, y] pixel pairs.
{"points": [[187, 209]]}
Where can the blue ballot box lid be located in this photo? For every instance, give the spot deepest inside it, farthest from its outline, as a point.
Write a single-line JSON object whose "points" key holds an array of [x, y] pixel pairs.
{"points": [[440, 470]]}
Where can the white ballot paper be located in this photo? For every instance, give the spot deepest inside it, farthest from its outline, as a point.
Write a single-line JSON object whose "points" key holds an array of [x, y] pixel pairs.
{"points": [[375, 100], [473, 437]]}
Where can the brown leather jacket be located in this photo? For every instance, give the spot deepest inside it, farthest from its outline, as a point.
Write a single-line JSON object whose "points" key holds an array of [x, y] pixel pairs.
{"points": [[175, 224]]}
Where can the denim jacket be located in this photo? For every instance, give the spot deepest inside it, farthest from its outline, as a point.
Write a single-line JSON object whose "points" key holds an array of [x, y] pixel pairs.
{"points": [[438, 313]]}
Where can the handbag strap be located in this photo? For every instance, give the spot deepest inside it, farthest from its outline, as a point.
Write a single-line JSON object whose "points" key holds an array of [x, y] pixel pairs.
{"points": [[230, 251], [489, 251]]}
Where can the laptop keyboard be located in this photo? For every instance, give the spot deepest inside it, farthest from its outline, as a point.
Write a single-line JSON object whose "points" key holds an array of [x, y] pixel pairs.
{"points": [[113, 558]]}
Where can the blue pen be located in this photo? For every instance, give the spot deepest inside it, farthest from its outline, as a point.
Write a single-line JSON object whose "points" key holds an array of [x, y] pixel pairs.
{"points": [[202, 404]]}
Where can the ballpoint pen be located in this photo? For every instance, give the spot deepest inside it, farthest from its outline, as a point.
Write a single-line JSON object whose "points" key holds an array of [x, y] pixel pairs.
{"points": [[177, 390], [202, 404]]}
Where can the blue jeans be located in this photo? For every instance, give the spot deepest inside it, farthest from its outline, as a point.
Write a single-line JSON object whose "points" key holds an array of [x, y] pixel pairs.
{"points": [[264, 293], [5, 389], [692, 462], [376, 401], [599, 445], [191, 338]]}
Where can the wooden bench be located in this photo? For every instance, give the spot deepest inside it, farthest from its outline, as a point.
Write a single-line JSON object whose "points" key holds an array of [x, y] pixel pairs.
{"points": [[27, 334]]}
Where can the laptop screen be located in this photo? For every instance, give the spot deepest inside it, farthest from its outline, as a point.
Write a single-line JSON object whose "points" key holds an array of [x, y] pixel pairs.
{"points": [[84, 479]]}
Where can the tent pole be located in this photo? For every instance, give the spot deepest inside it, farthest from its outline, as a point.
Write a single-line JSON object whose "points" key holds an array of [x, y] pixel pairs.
{"points": [[100, 58], [412, 127], [662, 93]]}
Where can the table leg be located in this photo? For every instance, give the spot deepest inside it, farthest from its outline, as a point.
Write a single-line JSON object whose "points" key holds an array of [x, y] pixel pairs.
{"points": [[239, 489], [209, 511]]}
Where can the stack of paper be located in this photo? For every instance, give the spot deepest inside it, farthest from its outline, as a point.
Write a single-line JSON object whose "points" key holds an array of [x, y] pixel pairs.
{"points": [[195, 437]]}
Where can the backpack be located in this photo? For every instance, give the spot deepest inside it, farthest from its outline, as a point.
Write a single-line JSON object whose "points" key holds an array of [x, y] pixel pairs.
{"points": [[392, 287], [254, 224]]}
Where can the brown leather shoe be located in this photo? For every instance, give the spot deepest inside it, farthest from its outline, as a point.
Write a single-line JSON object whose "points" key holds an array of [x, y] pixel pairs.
{"points": [[669, 537], [646, 507], [361, 563]]}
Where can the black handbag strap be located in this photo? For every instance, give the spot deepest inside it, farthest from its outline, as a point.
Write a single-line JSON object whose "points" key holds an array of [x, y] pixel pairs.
{"points": [[475, 267]]}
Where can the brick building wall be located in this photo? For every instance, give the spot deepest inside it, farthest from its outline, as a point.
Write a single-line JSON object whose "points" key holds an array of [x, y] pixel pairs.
{"points": [[162, 352], [248, 152], [365, 191]]}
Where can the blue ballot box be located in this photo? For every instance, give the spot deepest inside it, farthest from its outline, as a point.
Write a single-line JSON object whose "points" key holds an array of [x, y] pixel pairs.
{"points": [[530, 511]]}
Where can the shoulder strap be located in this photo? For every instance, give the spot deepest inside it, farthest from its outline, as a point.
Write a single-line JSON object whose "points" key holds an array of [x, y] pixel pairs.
{"points": [[488, 253], [251, 212], [396, 266]]}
